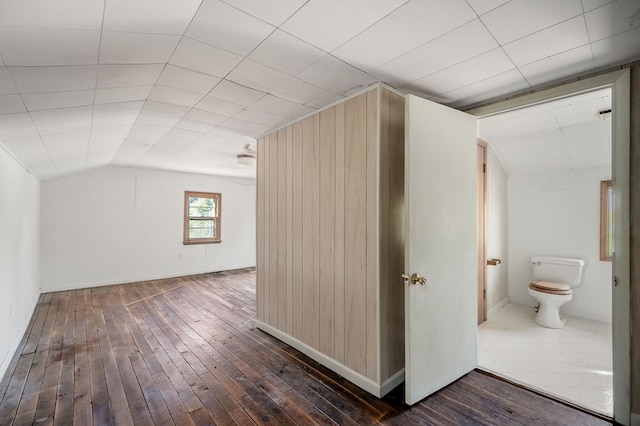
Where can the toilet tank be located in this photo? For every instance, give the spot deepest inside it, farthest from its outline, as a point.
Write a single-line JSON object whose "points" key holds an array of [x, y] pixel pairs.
{"points": [[558, 269]]}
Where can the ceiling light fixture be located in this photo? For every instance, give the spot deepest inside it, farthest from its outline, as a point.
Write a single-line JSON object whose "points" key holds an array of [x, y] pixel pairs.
{"points": [[247, 158]]}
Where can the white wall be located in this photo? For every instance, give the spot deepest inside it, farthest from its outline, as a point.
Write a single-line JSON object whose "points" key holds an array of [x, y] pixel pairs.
{"points": [[497, 233], [559, 215], [19, 251], [118, 225]]}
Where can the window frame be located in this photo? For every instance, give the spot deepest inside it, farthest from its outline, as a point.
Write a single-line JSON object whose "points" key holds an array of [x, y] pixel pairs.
{"points": [[217, 218], [606, 213]]}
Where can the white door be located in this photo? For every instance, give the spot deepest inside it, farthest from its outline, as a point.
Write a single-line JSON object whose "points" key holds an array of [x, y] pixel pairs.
{"points": [[440, 244]]}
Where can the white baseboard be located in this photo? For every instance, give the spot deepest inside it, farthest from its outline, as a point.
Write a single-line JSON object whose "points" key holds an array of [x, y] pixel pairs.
{"points": [[497, 308], [390, 384], [376, 389], [138, 279], [8, 357]]}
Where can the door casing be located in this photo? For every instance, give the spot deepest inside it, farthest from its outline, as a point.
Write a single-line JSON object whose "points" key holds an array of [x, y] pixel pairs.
{"points": [[619, 83]]}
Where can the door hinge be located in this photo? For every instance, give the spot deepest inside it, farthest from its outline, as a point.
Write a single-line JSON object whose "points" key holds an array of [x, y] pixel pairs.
{"points": [[484, 167], [615, 281], [484, 294]]}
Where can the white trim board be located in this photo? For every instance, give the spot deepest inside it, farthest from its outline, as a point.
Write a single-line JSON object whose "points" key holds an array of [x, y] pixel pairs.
{"points": [[619, 82], [377, 389]]}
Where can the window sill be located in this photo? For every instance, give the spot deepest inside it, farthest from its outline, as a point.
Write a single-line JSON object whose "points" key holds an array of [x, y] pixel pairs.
{"points": [[188, 243]]}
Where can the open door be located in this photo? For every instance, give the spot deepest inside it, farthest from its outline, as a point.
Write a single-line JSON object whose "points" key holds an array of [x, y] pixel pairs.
{"points": [[440, 244]]}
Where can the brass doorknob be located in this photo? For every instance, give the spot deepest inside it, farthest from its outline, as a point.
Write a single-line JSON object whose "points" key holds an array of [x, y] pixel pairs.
{"points": [[416, 278]]}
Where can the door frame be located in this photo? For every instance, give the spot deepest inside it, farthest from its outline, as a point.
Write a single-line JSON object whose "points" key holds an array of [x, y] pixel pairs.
{"points": [[482, 231], [619, 83]]}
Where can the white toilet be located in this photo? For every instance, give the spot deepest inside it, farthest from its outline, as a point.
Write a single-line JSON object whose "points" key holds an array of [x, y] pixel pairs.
{"points": [[553, 279]]}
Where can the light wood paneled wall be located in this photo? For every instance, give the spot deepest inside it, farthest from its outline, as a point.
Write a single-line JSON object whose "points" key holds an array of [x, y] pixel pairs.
{"points": [[330, 252]]}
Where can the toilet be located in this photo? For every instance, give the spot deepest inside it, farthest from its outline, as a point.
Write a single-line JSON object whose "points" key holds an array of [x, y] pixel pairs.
{"points": [[554, 278]]}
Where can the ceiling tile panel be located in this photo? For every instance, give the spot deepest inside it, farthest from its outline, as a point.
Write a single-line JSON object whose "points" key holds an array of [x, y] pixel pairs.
{"points": [[63, 120], [68, 14], [286, 53], [212, 141], [219, 106], [282, 107], [263, 117], [17, 126], [54, 79], [333, 74], [6, 83], [252, 74], [468, 72], [163, 120], [497, 86], [174, 96], [128, 153], [194, 126], [298, 91], [236, 93], [556, 67], [65, 145], [483, 6], [244, 127], [463, 43], [107, 139], [207, 59], [148, 134], [44, 47], [228, 28], [128, 75], [274, 12], [519, 18], [116, 114], [122, 94], [182, 137], [614, 18], [345, 18], [189, 80], [136, 48], [40, 101], [149, 16], [206, 117], [11, 103], [163, 150], [408, 27], [621, 48], [588, 5], [560, 38], [32, 153], [104, 143]]}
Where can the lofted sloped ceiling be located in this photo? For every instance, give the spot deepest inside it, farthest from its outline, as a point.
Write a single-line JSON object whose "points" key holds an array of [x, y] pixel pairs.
{"points": [[185, 84]]}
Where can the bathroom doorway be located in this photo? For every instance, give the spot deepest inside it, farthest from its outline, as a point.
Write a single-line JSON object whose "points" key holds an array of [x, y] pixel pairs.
{"points": [[544, 168], [515, 183]]}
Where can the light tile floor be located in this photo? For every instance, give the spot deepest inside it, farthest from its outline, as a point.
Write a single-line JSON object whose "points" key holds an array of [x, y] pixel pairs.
{"points": [[572, 363]]}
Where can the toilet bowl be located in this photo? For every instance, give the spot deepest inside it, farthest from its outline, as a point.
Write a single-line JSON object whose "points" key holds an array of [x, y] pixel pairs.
{"points": [[554, 278], [550, 297]]}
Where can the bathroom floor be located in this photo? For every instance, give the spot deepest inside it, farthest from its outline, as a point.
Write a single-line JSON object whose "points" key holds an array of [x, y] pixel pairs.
{"points": [[572, 363]]}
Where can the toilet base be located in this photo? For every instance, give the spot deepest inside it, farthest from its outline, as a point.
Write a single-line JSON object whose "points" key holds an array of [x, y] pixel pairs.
{"points": [[549, 316]]}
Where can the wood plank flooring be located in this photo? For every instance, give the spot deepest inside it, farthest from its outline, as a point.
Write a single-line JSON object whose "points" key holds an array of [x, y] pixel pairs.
{"points": [[185, 351]]}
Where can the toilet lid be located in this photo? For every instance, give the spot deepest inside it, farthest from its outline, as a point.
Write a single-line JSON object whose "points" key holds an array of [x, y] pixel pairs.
{"points": [[550, 287]]}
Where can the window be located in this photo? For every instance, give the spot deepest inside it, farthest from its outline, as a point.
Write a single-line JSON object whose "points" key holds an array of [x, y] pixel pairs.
{"points": [[606, 220], [202, 217]]}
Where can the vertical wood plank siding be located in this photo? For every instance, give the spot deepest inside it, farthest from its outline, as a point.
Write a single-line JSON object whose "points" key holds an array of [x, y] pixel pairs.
{"points": [[328, 207]]}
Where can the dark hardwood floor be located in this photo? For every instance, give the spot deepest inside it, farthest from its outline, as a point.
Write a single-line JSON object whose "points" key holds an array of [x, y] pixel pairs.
{"points": [[185, 351]]}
